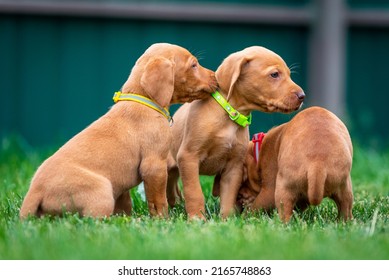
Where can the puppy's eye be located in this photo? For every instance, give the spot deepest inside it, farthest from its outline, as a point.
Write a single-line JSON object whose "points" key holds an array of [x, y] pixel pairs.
{"points": [[275, 75], [194, 65]]}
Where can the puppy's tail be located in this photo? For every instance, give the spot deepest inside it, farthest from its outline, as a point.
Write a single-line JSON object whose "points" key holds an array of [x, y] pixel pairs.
{"points": [[317, 176], [31, 204]]}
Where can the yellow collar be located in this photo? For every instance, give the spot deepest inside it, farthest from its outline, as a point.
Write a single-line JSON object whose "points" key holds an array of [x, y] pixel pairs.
{"points": [[119, 96]]}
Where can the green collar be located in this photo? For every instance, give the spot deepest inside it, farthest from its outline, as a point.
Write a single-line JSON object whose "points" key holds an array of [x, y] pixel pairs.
{"points": [[234, 114], [119, 96]]}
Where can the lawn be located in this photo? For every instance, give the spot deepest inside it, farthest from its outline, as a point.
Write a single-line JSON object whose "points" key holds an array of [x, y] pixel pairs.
{"points": [[314, 234]]}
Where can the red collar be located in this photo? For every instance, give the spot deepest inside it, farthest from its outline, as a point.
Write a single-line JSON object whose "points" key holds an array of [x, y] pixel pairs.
{"points": [[257, 140]]}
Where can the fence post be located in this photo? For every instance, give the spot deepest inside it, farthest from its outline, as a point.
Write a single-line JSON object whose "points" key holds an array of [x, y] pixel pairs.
{"points": [[327, 56]]}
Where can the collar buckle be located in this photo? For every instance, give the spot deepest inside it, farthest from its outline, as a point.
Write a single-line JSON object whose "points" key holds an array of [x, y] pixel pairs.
{"points": [[234, 115]]}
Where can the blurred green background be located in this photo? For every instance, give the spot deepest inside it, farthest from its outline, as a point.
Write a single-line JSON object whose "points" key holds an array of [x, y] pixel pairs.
{"points": [[61, 61]]}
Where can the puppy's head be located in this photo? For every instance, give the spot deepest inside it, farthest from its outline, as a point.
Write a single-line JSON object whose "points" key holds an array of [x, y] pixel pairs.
{"points": [[259, 79], [171, 74]]}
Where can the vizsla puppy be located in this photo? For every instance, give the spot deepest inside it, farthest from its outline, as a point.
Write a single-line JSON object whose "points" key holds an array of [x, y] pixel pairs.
{"points": [[300, 163], [210, 136], [92, 173]]}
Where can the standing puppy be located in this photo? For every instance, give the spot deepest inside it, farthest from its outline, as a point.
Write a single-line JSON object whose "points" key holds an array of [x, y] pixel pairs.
{"points": [[210, 136], [92, 173], [299, 163]]}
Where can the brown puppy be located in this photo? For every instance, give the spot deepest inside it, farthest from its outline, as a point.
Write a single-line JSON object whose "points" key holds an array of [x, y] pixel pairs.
{"points": [[299, 163], [205, 138], [92, 173]]}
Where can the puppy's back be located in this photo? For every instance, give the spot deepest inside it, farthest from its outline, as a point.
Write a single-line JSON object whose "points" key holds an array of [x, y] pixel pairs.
{"points": [[316, 149]]}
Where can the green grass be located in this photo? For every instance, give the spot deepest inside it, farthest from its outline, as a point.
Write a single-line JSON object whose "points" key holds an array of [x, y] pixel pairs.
{"points": [[314, 234]]}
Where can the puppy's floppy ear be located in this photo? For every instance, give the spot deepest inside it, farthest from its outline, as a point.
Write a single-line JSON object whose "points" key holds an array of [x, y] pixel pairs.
{"points": [[229, 71], [158, 80]]}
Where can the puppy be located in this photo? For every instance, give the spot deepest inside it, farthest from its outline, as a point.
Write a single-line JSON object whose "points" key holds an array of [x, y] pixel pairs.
{"points": [[93, 172], [300, 163], [211, 140]]}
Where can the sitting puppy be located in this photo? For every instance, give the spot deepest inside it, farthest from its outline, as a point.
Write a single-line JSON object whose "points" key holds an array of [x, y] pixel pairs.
{"points": [[298, 164], [93, 172], [210, 136]]}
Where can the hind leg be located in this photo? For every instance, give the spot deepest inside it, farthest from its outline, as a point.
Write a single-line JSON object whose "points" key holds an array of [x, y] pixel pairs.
{"points": [[285, 204], [173, 192], [216, 185], [103, 208], [344, 201], [123, 204], [98, 200], [285, 200], [83, 191]]}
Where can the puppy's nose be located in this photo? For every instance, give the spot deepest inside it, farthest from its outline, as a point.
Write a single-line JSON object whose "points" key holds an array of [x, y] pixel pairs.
{"points": [[300, 95]]}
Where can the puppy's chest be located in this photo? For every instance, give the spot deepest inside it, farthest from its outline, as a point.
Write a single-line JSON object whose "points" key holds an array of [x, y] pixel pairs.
{"points": [[228, 137], [227, 145]]}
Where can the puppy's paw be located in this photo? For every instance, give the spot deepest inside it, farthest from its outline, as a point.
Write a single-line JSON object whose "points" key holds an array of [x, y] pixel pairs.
{"points": [[197, 218]]}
